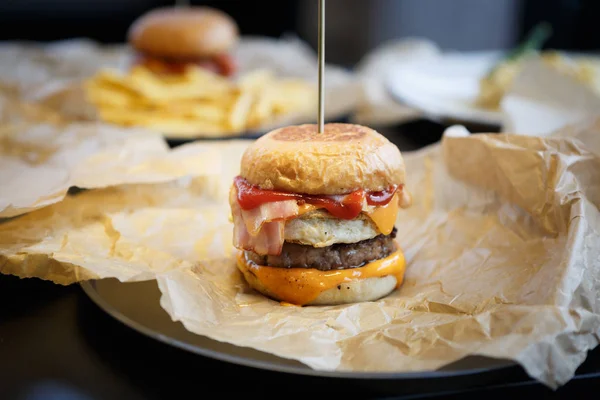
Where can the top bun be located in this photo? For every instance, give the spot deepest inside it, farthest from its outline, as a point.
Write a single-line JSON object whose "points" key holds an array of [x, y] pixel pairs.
{"points": [[343, 159], [190, 32]]}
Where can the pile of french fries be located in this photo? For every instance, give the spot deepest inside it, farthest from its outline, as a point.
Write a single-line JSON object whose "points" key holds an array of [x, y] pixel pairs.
{"points": [[197, 103]]}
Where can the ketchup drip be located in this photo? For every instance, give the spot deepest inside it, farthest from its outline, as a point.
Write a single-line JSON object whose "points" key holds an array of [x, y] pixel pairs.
{"points": [[381, 198], [346, 206]]}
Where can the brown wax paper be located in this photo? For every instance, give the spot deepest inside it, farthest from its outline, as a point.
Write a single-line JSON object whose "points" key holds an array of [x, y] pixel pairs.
{"points": [[27, 67], [503, 261], [42, 155], [129, 232]]}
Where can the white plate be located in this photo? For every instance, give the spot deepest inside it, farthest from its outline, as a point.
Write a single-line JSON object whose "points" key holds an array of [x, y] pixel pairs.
{"points": [[444, 85]]}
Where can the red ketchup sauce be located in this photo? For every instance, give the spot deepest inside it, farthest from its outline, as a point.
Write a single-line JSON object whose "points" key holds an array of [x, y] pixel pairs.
{"points": [[347, 206]]}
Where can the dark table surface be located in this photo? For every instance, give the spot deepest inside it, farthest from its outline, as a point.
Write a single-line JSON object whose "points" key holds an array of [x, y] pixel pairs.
{"points": [[55, 343]]}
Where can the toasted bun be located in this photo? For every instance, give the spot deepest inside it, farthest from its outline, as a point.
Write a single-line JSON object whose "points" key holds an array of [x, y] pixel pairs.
{"points": [[344, 158], [183, 33], [369, 289]]}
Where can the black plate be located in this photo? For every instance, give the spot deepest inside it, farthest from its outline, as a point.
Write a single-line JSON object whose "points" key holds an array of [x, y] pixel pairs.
{"points": [[137, 305], [174, 142]]}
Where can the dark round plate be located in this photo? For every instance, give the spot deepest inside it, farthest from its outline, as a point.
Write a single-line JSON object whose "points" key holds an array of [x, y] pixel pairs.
{"points": [[174, 141], [137, 305]]}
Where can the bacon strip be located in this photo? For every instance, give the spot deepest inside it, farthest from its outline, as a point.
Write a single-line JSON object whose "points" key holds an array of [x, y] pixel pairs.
{"points": [[269, 240], [278, 211], [261, 230]]}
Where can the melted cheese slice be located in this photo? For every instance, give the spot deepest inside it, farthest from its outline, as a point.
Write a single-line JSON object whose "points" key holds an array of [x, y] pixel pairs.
{"points": [[384, 217], [300, 286], [306, 208]]}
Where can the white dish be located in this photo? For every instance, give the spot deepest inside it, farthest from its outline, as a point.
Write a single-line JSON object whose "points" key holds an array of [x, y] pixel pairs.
{"points": [[444, 85]]}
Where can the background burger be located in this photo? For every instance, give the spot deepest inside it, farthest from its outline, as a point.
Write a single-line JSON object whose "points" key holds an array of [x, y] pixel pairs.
{"points": [[169, 39], [314, 215]]}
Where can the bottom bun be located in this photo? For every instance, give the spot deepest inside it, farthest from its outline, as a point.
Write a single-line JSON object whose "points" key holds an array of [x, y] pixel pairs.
{"points": [[369, 289], [360, 290]]}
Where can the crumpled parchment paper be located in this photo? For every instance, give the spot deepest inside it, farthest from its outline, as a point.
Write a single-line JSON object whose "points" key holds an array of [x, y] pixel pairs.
{"points": [[43, 155], [131, 231], [30, 68]]}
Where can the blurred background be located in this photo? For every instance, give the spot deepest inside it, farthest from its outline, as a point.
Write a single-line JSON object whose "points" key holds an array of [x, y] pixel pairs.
{"points": [[354, 26]]}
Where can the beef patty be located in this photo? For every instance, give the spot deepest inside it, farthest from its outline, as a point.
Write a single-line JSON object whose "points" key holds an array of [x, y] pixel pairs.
{"points": [[337, 256]]}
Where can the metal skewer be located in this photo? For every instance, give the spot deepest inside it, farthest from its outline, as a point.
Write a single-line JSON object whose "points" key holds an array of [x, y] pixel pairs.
{"points": [[321, 59]]}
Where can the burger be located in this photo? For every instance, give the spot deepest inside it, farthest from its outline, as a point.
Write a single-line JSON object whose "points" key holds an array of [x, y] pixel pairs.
{"points": [[314, 215], [167, 40]]}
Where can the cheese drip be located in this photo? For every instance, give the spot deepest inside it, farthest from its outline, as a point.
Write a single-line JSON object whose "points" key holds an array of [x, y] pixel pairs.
{"points": [[384, 217]]}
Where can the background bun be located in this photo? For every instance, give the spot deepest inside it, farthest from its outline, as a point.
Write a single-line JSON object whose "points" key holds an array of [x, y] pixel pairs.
{"points": [[345, 158], [190, 32], [369, 289]]}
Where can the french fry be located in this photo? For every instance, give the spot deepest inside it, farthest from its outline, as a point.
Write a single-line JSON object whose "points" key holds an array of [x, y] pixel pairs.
{"points": [[198, 111], [255, 81], [262, 109], [240, 111], [197, 102], [110, 96], [169, 123]]}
